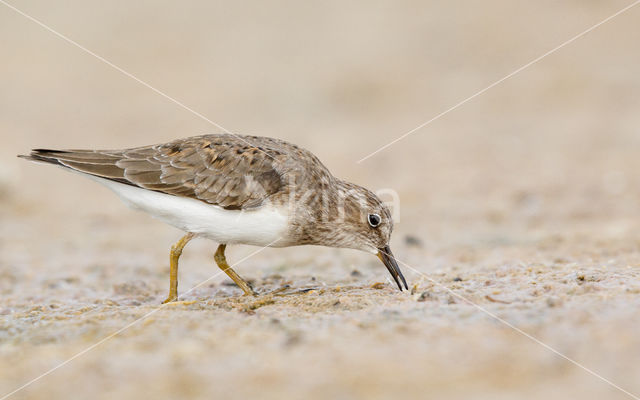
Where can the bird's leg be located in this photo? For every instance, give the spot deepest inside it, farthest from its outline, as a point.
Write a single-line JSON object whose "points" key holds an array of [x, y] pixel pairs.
{"points": [[221, 260], [176, 251]]}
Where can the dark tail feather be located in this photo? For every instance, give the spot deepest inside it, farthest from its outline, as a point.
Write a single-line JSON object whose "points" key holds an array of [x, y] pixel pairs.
{"points": [[42, 155], [89, 162]]}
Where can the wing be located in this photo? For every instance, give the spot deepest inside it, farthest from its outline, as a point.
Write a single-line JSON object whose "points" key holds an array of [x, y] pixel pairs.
{"points": [[225, 170]]}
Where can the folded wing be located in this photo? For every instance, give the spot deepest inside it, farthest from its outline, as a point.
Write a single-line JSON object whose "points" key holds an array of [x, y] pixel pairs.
{"points": [[222, 170]]}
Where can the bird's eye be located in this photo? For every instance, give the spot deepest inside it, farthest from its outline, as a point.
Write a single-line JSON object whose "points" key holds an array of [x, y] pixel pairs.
{"points": [[374, 220]]}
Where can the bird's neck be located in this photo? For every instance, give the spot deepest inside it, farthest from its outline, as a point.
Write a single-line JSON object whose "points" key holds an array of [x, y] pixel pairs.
{"points": [[323, 217]]}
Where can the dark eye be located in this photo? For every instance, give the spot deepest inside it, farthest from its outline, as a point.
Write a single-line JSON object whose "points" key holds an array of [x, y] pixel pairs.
{"points": [[374, 220]]}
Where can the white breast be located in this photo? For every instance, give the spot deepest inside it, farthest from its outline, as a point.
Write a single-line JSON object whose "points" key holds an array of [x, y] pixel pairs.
{"points": [[259, 227]]}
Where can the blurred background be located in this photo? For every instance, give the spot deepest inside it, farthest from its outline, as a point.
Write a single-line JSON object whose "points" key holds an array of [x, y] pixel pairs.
{"points": [[524, 200]]}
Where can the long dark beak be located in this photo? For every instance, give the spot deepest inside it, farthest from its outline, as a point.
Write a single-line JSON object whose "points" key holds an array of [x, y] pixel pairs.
{"points": [[386, 256]]}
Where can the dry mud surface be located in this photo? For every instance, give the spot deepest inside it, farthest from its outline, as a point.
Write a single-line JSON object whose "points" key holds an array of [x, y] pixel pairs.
{"points": [[519, 229]]}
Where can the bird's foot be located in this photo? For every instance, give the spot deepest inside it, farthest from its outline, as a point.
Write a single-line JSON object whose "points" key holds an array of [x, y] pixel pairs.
{"points": [[283, 291], [170, 299], [279, 290], [181, 302], [250, 293]]}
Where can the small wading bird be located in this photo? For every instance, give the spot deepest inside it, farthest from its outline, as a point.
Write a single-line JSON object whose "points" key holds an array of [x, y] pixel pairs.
{"points": [[239, 189]]}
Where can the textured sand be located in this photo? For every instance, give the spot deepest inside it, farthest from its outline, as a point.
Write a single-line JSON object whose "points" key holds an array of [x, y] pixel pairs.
{"points": [[525, 201]]}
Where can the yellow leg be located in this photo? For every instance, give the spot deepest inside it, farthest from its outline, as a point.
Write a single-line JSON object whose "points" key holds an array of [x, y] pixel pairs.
{"points": [[176, 252], [221, 260]]}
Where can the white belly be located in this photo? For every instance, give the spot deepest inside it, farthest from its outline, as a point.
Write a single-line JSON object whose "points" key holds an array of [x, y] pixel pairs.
{"points": [[260, 227]]}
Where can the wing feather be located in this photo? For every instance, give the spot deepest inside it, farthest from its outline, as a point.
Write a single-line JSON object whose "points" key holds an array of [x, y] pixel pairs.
{"points": [[226, 170]]}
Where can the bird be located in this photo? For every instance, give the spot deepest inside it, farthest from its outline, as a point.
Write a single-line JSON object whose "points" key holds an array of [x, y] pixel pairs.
{"points": [[238, 189]]}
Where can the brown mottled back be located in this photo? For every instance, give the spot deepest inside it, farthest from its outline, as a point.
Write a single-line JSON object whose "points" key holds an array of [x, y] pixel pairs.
{"points": [[234, 172]]}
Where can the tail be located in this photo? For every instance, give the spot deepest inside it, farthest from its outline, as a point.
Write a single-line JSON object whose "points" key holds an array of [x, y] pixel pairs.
{"points": [[43, 155], [100, 164]]}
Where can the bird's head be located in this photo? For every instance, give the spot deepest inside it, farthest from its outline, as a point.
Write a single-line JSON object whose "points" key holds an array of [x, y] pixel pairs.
{"points": [[360, 220]]}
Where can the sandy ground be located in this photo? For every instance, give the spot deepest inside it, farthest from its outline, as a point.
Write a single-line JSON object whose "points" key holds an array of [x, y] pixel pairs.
{"points": [[525, 201]]}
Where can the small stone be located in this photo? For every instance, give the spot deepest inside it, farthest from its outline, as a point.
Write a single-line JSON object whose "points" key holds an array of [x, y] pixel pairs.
{"points": [[553, 302], [424, 296], [293, 338], [414, 289], [412, 241]]}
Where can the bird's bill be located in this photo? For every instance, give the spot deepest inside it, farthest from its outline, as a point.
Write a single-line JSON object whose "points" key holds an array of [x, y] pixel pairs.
{"points": [[386, 256]]}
